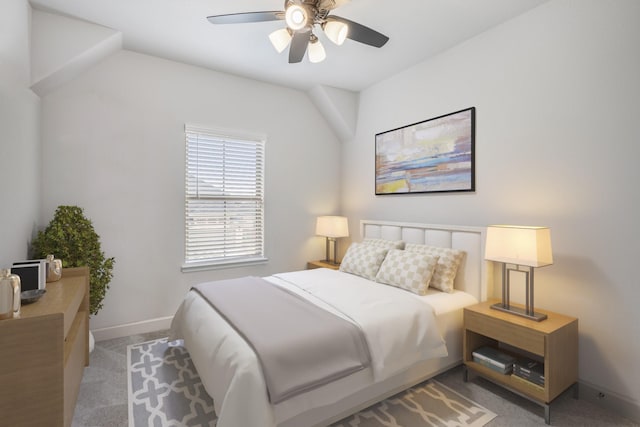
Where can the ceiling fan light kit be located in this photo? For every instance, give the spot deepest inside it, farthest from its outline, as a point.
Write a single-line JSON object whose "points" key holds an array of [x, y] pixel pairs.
{"points": [[296, 17], [301, 16], [336, 31], [316, 51], [280, 39]]}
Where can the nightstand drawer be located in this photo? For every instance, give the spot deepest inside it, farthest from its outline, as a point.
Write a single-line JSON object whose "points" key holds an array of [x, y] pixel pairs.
{"points": [[508, 333]]}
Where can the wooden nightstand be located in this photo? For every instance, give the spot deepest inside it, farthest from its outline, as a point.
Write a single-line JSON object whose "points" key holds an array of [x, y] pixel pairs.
{"points": [[322, 264], [553, 341]]}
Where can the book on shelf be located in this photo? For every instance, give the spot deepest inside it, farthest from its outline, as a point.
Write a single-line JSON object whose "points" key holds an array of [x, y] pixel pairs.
{"points": [[492, 366], [530, 370], [534, 378], [494, 359], [530, 365]]}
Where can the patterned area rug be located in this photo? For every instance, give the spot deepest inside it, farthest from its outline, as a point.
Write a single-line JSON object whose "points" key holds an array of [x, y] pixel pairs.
{"points": [[165, 391]]}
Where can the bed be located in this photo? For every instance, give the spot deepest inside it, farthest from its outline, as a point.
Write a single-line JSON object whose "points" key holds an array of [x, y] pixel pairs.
{"points": [[231, 372]]}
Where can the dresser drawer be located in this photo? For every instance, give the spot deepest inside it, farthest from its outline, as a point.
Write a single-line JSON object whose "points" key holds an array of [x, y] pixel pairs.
{"points": [[508, 333]]}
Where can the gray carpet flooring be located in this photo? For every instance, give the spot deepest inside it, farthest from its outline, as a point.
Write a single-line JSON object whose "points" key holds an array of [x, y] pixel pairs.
{"points": [[102, 401]]}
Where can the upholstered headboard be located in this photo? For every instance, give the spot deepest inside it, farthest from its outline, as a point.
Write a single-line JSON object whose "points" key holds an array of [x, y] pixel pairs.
{"points": [[474, 272]]}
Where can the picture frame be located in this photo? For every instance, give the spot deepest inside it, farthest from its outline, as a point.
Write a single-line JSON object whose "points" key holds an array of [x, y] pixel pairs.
{"points": [[33, 274], [432, 156]]}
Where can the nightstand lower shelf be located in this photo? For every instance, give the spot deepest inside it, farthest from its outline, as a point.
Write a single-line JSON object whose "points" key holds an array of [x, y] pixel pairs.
{"points": [[520, 387]]}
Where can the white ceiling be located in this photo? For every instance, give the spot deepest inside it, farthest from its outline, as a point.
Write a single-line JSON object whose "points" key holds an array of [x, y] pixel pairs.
{"points": [[178, 30]]}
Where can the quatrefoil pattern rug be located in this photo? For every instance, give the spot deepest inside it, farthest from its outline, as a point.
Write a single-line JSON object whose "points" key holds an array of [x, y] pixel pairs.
{"points": [[164, 387], [165, 391]]}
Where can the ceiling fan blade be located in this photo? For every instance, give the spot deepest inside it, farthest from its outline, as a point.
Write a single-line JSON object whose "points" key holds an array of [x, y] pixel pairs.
{"points": [[299, 44], [362, 34], [246, 17]]}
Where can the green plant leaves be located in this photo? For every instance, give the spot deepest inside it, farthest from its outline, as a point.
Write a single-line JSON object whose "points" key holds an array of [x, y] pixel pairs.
{"points": [[70, 236]]}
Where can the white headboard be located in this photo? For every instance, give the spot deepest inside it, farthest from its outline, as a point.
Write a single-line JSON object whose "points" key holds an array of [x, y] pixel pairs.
{"points": [[473, 275]]}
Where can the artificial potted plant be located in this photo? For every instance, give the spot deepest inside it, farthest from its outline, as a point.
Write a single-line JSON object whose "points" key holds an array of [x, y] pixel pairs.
{"points": [[70, 236]]}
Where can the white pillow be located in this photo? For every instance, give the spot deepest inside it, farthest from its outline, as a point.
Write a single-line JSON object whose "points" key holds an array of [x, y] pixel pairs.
{"points": [[407, 270], [363, 260], [389, 244], [447, 267]]}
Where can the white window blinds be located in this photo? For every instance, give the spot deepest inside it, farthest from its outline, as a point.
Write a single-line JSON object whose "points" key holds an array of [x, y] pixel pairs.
{"points": [[224, 209]]}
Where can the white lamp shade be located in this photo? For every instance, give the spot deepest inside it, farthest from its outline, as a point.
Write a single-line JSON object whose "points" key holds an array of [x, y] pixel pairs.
{"points": [[316, 52], [280, 39], [332, 226], [520, 245], [336, 31]]}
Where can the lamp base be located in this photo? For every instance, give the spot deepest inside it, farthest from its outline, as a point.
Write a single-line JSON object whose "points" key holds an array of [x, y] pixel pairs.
{"points": [[519, 312]]}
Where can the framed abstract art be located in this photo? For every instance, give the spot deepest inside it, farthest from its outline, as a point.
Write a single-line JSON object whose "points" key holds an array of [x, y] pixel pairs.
{"points": [[435, 155]]}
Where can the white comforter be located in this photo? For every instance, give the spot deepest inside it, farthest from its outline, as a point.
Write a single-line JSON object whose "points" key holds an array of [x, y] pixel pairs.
{"points": [[400, 331]]}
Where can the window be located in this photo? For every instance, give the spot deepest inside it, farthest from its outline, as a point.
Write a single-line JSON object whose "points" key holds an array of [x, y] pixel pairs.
{"points": [[224, 206]]}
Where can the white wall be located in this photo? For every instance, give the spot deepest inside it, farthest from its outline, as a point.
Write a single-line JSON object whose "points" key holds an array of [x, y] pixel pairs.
{"points": [[113, 143], [556, 92], [15, 22], [19, 136], [62, 48], [73, 38]]}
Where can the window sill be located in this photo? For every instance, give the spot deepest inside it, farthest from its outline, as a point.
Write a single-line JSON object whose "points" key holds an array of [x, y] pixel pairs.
{"points": [[219, 265]]}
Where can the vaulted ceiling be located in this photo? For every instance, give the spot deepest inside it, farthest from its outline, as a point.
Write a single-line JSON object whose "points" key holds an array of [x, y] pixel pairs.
{"points": [[178, 30]]}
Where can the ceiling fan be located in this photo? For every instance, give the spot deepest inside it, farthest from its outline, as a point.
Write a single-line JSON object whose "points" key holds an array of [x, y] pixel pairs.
{"points": [[301, 17]]}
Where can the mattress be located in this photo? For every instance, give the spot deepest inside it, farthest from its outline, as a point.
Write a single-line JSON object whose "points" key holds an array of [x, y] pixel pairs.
{"points": [[235, 381]]}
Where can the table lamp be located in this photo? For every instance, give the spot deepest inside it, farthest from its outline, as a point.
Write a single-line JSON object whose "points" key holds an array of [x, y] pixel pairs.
{"points": [[522, 246], [332, 227]]}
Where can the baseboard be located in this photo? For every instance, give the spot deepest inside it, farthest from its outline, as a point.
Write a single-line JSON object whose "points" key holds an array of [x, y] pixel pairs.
{"points": [[135, 328], [610, 401]]}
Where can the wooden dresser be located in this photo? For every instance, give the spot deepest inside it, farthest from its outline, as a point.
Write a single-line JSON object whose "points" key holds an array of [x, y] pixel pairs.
{"points": [[43, 354]]}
